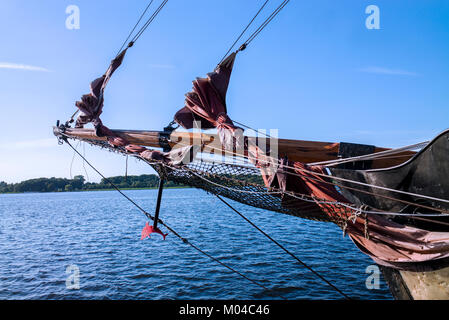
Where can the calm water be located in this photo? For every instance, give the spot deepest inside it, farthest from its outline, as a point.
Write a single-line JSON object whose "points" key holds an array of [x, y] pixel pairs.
{"points": [[99, 232]]}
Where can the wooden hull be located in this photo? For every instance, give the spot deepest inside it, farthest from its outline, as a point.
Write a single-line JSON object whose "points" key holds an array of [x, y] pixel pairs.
{"points": [[410, 285]]}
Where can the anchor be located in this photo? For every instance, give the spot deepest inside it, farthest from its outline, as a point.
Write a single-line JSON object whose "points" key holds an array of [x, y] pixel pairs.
{"points": [[148, 230]]}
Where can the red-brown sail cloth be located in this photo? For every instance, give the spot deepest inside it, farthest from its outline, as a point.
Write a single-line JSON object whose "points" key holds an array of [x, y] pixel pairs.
{"points": [[387, 242], [91, 107], [91, 104], [206, 103], [205, 108]]}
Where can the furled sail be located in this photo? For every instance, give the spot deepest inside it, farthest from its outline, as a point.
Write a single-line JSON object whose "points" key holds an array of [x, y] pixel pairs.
{"points": [[205, 108], [91, 104], [206, 102], [91, 107]]}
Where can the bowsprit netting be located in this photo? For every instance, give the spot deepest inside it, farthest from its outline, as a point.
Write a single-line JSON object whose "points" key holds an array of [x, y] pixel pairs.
{"points": [[242, 183], [239, 183]]}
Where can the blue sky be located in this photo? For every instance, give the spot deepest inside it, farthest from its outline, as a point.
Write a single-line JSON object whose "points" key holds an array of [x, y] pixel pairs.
{"points": [[315, 73]]}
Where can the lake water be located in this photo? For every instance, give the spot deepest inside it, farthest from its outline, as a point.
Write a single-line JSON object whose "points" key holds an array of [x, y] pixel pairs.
{"points": [[99, 233]]}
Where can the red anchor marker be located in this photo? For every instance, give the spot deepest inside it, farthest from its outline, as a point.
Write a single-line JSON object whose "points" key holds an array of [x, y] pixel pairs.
{"points": [[148, 230]]}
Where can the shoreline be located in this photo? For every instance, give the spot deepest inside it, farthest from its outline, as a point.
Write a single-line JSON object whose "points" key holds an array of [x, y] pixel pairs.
{"points": [[89, 190]]}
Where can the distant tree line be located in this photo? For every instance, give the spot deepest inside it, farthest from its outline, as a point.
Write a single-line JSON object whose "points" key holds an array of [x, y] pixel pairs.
{"points": [[78, 183]]}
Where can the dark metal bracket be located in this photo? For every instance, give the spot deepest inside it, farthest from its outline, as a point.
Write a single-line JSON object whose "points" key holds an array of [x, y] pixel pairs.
{"points": [[164, 137]]}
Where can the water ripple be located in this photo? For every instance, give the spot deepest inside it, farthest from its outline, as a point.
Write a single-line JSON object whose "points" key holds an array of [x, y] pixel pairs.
{"points": [[99, 232]]}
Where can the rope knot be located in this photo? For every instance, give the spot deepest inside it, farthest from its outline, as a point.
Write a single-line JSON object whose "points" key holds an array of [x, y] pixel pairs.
{"points": [[356, 214], [366, 231]]}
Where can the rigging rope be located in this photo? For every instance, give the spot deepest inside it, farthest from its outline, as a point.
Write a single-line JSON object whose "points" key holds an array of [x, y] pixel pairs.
{"points": [[349, 181], [136, 36], [283, 248], [377, 155], [243, 32], [126, 169], [258, 30], [84, 167], [149, 21], [264, 24], [315, 200], [248, 127], [387, 154], [371, 156], [134, 28], [186, 241], [73, 159]]}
